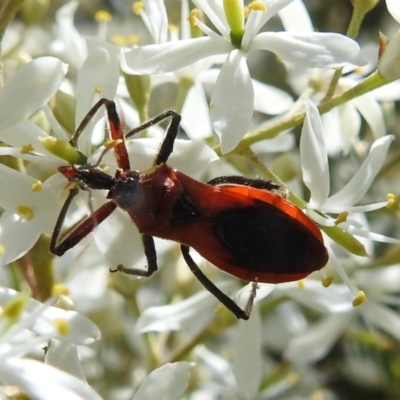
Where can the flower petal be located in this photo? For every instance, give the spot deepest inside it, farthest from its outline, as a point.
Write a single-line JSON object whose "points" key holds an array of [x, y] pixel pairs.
{"points": [[232, 101], [156, 20], [313, 156], [295, 17], [194, 310], [15, 238], [74, 45], [99, 72], [64, 356], [41, 381], [310, 49], [316, 342], [383, 317], [168, 382], [32, 86], [359, 184], [370, 109], [247, 364], [195, 114], [269, 99], [393, 7], [170, 56]]}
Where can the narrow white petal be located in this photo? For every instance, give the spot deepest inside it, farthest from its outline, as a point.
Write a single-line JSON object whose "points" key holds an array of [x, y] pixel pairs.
{"points": [[247, 364], [269, 99], [195, 310], [168, 382], [334, 299], [170, 56], [313, 156], [15, 238], [359, 184], [156, 20], [369, 108], [119, 241], [33, 85], [383, 317], [316, 342], [74, 45], [41, 381], [350, 125], [393, 7], [64, 356], [295, 17], [195, 114], [312, 50], [232, 101], [215, 12], [100, 71], [257, 19]]}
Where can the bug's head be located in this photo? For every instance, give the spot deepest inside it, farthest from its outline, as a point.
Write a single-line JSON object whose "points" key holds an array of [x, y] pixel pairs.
{"points": [[87, 176]]}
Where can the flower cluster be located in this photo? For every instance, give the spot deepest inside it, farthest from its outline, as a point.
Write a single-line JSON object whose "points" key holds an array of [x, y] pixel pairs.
{"points": [[243, 76]]}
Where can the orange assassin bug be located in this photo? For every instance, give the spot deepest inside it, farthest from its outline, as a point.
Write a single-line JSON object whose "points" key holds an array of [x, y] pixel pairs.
{"points": [[238, 224]]}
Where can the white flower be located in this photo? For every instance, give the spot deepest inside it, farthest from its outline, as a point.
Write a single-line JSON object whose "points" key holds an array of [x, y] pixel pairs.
{"points": [[315, 169], [315, 341], [314, 164], [19, 317], [232, 98]]}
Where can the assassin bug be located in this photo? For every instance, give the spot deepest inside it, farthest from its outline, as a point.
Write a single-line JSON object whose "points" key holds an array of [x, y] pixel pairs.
{"points": [[238, 224]]}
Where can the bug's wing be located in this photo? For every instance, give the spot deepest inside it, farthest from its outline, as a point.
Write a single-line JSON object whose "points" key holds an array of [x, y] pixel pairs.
{"points": [[248, 232]]}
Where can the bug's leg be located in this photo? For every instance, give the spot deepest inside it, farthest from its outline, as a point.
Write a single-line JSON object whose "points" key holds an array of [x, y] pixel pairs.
{"points": [[151, 255], [222, 297], [250, 301], [117, 133], [88, 117], [115, 127], [172, 131], [241, 180], [79, 232]]}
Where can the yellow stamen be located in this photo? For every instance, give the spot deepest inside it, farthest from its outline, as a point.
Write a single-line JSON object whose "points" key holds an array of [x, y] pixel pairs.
{"points": [[14, 308], [62, 327], [2, 249], [326, 282], [359, 299], [110, 144], [25, 212], [137, 7], [392, 200], [98, 89], [26, 148], [119, 40], [192, 18], [300, 284], [257, 6], [60, 289], [37, 186], [102, 16]]}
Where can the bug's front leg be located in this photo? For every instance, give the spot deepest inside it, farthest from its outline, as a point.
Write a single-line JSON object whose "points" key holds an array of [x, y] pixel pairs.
{"points": [[72, 238], [151, 256]]}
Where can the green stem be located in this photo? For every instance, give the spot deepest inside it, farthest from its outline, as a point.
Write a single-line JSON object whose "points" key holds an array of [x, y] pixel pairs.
{"points": [[290, 121]]}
